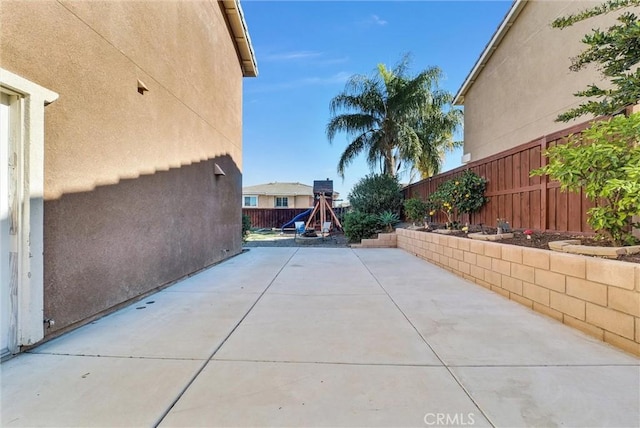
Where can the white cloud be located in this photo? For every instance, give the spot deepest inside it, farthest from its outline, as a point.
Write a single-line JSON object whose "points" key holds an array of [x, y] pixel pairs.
{"points": [[292, 56], [331, 61], [375, 19], [337, 78], [340, 77], [372, 21], [311, 57]]}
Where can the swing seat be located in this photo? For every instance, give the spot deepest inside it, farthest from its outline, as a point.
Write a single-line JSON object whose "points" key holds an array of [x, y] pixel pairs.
{"points": [[326, 228]]}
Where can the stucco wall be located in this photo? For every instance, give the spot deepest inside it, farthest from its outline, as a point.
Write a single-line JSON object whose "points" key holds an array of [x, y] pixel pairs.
{"points": [[131, 201], [527, 81], [303, 202], [266, 201]]}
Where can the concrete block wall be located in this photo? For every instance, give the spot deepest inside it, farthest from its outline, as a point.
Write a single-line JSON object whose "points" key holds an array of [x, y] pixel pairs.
{"points": [[384, 240], [597, 296]]}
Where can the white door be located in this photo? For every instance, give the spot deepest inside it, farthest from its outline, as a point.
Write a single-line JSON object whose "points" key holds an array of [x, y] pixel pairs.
{"points": [[7, 312]]}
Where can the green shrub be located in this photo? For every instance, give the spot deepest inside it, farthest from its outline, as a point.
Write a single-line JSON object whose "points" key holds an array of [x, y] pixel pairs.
{"points": [[358, 225], [415, 209], [388, 219], [246, 226], [459, 195], [375, 194], [605, 161]]}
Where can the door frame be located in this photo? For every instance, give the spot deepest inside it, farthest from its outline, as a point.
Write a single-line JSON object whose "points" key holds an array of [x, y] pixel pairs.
{"points": [[7, 242], [27, 285]]}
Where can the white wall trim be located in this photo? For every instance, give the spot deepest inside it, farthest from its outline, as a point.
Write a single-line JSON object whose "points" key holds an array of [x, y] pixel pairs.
{"points": [[33, 98]]}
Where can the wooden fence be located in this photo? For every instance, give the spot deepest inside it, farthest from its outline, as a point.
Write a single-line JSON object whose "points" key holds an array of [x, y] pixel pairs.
{"points": [[277, 217], [271, 217], [524, 201]]}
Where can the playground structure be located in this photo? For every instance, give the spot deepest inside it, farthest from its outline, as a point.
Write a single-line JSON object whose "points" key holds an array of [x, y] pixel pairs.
{"points": [[321, 217], [318, 219]]}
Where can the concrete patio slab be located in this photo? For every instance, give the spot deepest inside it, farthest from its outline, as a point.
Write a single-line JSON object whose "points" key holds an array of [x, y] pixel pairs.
{"points": [[325, 271], [322, 337], [175, 325], [250, 272], [587, 396], [416, 276], [485, 329], [331, 395], [72, 391], [469, 325], [328, 329]]}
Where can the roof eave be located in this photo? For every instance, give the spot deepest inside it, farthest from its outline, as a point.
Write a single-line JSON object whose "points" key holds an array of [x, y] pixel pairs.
{"points": [[240, 34], [488, 51]]}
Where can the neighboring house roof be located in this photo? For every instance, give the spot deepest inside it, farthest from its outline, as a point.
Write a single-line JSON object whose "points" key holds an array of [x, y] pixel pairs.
{"points": [[493, 44], [240, 34], [279, 189]]}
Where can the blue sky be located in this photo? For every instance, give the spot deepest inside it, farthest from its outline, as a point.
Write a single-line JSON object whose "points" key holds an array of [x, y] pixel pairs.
{"points": [[306, 50]]}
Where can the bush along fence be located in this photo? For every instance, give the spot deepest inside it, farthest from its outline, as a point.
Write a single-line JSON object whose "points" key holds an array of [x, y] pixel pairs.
{"points": [[526, 202]]}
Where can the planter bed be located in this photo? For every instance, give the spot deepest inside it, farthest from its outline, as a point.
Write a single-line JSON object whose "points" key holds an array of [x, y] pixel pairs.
{"points": [[574, 246], [542, 240], [487, 237]]}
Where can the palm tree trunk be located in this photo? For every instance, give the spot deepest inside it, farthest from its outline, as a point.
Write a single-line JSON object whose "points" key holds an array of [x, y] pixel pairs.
{"points": [[389, 165]]}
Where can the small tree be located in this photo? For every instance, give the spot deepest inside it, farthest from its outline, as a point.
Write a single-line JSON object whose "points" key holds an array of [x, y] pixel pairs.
{"points": [[605, 160], [442, 200], [460, 195], [375, 194], [415, 209], [468, 197], [617, 53]]}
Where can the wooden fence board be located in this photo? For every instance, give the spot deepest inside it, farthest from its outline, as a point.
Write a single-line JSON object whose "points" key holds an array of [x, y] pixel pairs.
{"points": [[574, 211], [508, 205], [534, 207], [501, 174], [517, 210], [551, 213], [535, 158], [526, 210], [517, 166], [561, 210], [525, 169]]}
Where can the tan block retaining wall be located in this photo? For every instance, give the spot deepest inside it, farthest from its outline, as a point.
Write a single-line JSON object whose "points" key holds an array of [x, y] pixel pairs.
{"points": [[384, 240], [597, 296]]}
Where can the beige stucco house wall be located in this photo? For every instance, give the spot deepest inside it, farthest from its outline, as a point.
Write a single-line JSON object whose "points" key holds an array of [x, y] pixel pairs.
{"points": [[297, 195], [150, 101], [522, 80], [269, 201]]}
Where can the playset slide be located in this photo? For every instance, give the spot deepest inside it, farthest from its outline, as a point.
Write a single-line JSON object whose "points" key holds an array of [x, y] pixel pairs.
{"points": [[297, 218]]}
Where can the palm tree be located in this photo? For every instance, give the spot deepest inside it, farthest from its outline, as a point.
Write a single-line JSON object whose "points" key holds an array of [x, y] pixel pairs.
{"points": [[436, 134], [393, 118]]}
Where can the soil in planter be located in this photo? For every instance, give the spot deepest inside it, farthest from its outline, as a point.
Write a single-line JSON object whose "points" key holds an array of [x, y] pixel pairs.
{"points": [[542, 239]]}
